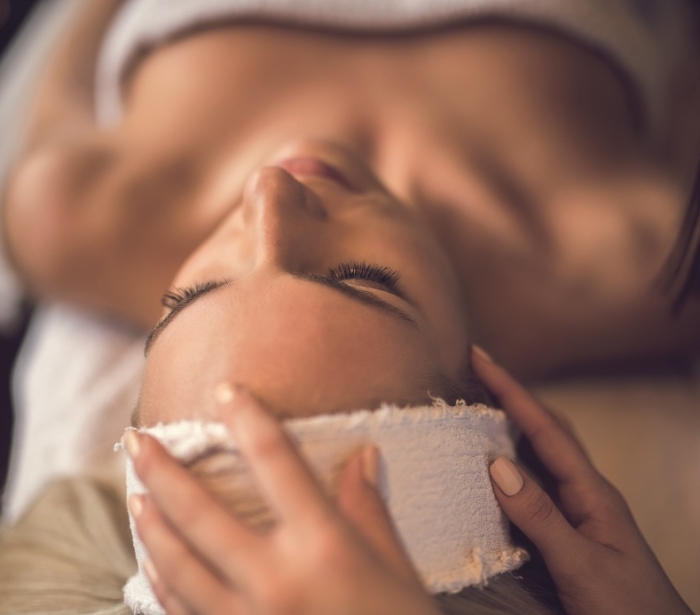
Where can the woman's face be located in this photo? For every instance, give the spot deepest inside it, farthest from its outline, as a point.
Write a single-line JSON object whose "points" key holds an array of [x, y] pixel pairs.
{"points": [[319, 292]]}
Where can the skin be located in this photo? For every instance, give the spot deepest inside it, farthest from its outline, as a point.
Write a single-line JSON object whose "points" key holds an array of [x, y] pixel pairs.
{"points": [[351, 557], [295, 342], [598, 558], [544, 198], [548, 198]]}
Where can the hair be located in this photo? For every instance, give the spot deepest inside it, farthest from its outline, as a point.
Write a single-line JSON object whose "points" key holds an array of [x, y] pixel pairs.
{"points": [[505, 593], [71, 554], [463, 386]]}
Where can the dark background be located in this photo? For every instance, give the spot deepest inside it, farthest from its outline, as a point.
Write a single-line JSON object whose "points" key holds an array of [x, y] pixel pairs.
{"points": [[12, 14]]}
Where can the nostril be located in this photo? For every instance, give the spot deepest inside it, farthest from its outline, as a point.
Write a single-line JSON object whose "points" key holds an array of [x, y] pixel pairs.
{"points": [[314, 167], [274, 190]]}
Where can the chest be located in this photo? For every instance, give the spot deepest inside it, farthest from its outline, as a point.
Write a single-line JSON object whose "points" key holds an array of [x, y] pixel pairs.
{"points": [[484, 88]]}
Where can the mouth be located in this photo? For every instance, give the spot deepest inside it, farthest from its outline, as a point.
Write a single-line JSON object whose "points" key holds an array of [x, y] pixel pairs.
{"points": [[313, 167]]}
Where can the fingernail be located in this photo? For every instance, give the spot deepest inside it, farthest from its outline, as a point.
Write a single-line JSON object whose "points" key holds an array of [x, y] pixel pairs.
{"points": [[135, 504], [370, 465], [132, 443], [478, 350], [151, 572], [224, 392], [506, 476]]}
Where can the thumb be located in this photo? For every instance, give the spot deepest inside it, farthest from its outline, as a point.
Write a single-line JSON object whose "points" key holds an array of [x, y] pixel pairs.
{"points": [[361, 504], [529, 507]]}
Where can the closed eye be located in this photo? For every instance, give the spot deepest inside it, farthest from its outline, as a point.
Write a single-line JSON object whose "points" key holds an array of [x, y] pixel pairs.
{"points": [[383, 276]]}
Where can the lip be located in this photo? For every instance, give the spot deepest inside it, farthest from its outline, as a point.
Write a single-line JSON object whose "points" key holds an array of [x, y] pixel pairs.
{"points": [[304, 165]]}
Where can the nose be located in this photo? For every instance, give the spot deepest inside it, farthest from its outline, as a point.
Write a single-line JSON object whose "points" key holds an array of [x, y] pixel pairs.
{"points": [[285, 217]]}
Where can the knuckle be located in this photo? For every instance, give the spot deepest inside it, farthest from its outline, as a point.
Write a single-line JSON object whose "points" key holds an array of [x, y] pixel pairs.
{"points": [[539, 508], [189, 514], [331, 556], [326, 548], [282, 596], [611, 499], [267, 444]]}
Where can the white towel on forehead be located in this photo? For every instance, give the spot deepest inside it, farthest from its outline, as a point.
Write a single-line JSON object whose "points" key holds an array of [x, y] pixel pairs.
{"points": [[433, 477]]}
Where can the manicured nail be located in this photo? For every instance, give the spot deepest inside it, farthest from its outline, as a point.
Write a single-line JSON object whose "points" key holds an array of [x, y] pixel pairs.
{"points": [[370, 465], [506, 476], [478, 350], [132, 443], [245, 416], [151, 572], [224, 393], [135, 504]]}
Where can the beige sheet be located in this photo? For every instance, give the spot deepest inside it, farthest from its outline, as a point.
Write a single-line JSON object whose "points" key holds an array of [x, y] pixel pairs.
{"points": [[644, 435]]}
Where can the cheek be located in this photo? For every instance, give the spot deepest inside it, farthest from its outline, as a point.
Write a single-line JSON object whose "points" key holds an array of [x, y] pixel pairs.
{"points": [[432, 278], [319, 361]]}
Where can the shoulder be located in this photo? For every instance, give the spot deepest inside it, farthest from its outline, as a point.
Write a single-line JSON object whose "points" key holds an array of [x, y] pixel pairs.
{"points": [[49, 190], [102, 221]]}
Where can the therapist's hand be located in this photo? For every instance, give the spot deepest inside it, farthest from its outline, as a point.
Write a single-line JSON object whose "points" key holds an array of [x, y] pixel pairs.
{"points": [[592, 547], [319, 558]]}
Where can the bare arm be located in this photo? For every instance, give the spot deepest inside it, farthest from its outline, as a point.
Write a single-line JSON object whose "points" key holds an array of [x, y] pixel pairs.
{"points": [[62, 205], [64, 96]]}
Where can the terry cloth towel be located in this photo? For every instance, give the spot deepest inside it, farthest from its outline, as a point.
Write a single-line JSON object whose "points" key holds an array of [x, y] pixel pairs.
{"points": [[433, 477], [642, 38]]}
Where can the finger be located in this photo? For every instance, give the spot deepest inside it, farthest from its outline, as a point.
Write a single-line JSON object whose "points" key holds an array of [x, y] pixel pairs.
{"points": [[533, 511], [284, 479], [362, 505], [560, 452], [171, 605], [232, 549], [565, 423], [178, 577]]}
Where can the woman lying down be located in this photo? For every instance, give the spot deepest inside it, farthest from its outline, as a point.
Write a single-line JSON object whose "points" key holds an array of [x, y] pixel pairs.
{"points": [[303, 286], [259, 532]]}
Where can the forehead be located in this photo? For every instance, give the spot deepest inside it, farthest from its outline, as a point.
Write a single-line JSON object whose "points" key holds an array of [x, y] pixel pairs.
{"points": [[303, 349]]}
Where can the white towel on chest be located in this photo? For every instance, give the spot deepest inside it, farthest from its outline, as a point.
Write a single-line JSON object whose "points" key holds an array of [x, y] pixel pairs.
{"points": [[644, 38]]}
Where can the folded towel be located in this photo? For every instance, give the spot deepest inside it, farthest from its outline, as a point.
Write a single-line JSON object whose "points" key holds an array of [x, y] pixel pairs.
{"points": [[643, 39], [433, 477], [76, 382]]}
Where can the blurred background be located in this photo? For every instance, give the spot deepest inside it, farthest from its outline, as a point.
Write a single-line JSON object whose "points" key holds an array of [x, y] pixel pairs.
{"points": [[12, 15]]}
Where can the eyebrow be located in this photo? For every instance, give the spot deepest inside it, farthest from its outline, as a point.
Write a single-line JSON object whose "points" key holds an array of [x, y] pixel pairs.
{"points": [[359, 295]]}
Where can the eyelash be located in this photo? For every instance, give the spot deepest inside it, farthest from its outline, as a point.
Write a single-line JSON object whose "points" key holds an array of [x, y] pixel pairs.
{"points": [[177, 296], [344, 271], [365, 271]]}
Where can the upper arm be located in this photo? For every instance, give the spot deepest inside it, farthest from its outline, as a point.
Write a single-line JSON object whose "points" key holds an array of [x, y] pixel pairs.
{"points": [[88, 222], [48, 209]]}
